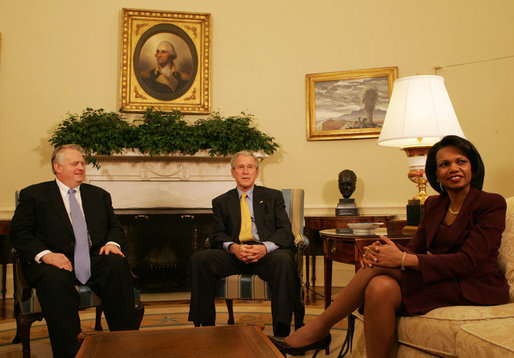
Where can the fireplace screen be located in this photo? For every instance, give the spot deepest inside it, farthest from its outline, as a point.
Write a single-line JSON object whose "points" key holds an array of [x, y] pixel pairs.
{"points": [[160, 243]]}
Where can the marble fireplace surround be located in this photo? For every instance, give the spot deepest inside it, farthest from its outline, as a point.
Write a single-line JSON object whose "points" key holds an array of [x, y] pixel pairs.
{"points": [[135, 180]]}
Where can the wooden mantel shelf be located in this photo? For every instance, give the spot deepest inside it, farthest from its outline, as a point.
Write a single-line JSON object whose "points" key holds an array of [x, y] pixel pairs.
{"points": [[134, 155]]}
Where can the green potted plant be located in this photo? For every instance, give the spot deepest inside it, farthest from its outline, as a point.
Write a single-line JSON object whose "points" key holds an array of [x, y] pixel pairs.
{"points": [[156, 133]]}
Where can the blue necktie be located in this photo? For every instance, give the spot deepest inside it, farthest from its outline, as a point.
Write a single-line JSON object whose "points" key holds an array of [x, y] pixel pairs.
{"points": [[82, 263]]}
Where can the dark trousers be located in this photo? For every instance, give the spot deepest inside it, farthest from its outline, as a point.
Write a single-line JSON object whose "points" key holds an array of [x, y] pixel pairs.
{"points": [[55, 288], [277, 268]]}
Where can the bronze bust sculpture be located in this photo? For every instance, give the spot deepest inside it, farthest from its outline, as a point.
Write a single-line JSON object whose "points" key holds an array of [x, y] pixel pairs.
{"points": [[347, 181]]}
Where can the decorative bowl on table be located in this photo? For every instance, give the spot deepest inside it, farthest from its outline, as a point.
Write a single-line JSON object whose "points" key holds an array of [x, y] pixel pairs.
{"points": [[364, 228]]}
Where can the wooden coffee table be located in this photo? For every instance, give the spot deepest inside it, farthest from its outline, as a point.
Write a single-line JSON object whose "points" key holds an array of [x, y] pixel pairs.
{"points": [[221, 341]]}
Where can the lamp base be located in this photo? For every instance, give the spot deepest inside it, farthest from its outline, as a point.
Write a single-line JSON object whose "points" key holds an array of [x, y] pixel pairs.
{"points": [[414, 212]]}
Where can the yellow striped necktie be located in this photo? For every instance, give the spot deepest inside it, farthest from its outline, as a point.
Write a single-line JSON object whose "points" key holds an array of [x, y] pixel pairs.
{"points": [[246, 221]]}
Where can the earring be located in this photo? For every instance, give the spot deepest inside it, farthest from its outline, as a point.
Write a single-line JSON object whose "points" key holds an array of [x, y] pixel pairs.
{"points": [[441, 187]]}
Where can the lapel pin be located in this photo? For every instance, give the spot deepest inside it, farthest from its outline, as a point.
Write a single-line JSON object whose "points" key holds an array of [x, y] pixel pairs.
{"points": [[262, 201]]}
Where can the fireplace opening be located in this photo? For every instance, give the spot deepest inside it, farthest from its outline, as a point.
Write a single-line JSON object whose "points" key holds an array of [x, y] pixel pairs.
{"points": [[160, 243]]}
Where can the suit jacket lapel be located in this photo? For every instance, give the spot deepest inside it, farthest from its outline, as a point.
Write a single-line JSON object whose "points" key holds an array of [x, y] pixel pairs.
{"points": [[432, 223], [465, 215], [86, 203], [440, 208], [234, 208], [258, 207], [55, 198]]}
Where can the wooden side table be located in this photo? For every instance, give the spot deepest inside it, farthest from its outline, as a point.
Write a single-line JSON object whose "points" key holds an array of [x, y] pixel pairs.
{"points": [[313, 224], [346, 248], [5, 228]]}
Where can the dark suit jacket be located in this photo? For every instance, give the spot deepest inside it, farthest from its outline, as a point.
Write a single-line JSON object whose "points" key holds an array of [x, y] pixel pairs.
{"points": [[41, 222], [472, 249], [270, 217]]}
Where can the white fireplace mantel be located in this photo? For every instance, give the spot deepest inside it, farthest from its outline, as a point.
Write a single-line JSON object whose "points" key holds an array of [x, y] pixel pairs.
{"points": [[165, 181]]}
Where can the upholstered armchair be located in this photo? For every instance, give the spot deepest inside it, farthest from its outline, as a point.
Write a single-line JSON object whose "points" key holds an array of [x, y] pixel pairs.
{"points": [[458, 331], [27, 309], [251, 287]]}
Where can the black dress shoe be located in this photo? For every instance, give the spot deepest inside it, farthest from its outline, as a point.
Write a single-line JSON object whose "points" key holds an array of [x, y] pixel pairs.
{"points": [[285, 348]]}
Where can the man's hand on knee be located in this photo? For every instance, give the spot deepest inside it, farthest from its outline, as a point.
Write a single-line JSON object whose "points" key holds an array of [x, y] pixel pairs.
{"points": [[254, 253], [248, 253], [110, 248], [58, 260], [236, 250]]}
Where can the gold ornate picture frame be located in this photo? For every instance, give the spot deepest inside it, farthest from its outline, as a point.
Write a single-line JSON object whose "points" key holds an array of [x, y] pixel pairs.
{"points": [[348, 104], [165, 61]]}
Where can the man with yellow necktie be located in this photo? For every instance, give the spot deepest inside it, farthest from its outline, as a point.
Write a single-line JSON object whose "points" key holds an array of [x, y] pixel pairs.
{"points": [[252, 234]]}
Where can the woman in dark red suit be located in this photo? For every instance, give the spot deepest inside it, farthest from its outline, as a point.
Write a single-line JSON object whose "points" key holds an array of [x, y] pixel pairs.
{"points": [[451, 260]]}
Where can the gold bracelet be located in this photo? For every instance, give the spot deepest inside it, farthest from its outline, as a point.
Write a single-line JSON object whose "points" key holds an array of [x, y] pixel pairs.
{"points": [[403, 260]]}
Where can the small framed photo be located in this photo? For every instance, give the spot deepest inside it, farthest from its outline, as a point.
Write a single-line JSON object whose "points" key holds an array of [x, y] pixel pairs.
{"points": [[348, 104], [165, 61]]}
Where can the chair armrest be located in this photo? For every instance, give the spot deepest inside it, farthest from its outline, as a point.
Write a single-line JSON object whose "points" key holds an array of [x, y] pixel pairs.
{"points": [[22, 290], [301, 242]]}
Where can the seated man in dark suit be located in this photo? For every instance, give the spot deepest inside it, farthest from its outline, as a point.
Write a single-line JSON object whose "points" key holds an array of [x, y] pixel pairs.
{"points": [[252, 234], [67, 233]]}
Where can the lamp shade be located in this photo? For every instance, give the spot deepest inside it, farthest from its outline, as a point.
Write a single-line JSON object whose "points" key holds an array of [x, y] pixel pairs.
{"points": [[419, 114]]}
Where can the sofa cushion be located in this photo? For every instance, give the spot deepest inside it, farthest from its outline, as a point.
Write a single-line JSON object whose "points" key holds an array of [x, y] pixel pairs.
{"points": [[486, 339], [436, 331], [506, 252]]}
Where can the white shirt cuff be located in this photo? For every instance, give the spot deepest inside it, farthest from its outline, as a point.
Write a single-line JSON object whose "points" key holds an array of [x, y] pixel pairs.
{"points": [[114, 243], [38, 257]]}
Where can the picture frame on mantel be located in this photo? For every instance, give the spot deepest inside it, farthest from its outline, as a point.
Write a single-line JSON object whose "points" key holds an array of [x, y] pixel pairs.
{"points": [[165, 61], [348, 104]]}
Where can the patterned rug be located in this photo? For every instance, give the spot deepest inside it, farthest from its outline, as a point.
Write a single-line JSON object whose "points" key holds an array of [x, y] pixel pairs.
{"points": [[167, 318]]}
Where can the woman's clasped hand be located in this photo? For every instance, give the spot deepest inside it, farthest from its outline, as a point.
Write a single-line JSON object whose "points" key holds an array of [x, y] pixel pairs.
{"points": [[383, 253]]}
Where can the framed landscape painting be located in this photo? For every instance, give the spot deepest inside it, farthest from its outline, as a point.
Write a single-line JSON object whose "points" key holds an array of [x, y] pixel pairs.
{"points": [[348, 104], [165, 61]]}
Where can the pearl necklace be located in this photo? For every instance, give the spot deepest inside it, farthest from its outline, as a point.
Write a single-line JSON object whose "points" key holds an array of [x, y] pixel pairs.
{"points": [[453, 212]]}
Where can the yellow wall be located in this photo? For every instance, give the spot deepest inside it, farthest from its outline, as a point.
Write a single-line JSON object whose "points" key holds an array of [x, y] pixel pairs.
{"points": [[63, 56]]}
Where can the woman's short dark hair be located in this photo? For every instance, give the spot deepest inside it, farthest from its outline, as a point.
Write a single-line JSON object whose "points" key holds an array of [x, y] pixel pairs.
{"points": [[468, 149]]}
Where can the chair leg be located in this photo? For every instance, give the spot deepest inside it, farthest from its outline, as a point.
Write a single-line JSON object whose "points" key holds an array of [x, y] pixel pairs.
{"points": [[23, 325], [230, 308], [299, 315], [299, 309], [16, 338], [98, 320], [140, 311]]}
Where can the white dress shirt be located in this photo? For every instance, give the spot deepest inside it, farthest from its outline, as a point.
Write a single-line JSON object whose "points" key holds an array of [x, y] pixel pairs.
{"points": [[63, 189], [270, 246]]}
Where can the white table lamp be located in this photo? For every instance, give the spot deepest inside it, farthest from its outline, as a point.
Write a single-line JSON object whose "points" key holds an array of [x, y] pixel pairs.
{"points": [[419, 114]]}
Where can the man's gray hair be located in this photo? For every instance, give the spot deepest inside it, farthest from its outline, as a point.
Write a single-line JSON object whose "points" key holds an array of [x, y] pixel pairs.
{"points": [[245, 154], [171, 49], [58, 154]]}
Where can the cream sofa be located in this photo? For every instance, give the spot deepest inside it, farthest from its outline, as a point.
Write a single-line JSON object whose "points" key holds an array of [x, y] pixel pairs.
{"points": [[459, 331]]}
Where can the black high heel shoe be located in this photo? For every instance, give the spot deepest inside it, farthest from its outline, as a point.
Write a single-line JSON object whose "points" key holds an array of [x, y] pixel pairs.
{"points": [[284, 348]]}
